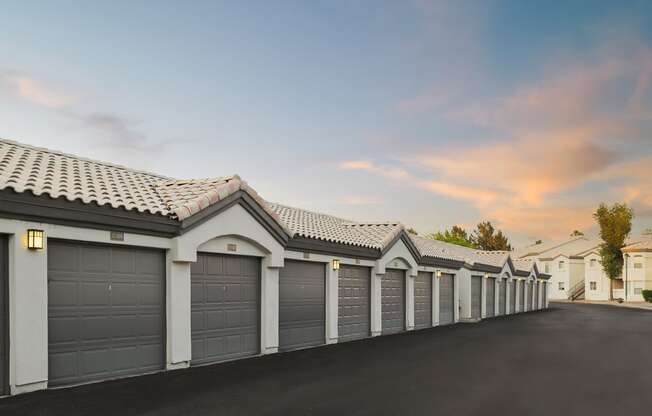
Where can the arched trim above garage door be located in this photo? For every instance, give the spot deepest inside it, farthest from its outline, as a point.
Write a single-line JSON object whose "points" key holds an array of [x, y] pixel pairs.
{"points": [[234, 222], [398, 256]]}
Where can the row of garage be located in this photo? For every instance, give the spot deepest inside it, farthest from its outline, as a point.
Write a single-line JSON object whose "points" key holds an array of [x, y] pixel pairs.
{"points": [[108, 272], [106, 307]]}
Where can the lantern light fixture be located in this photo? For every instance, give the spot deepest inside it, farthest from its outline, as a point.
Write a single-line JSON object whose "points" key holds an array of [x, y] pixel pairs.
{"points": [[35, 239], [336, 264], [438, 273]]}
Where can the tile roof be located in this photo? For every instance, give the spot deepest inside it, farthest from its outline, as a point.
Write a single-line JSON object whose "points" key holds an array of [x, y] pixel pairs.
{"points": [[643, 243], [577, 248], [442, 249], [47, 172], [438, 249], [524, 264], [325, 227], [539, 248]]}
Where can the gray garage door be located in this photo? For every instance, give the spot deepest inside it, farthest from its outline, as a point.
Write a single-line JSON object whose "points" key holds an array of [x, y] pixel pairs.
{"points": [[537, 302], [502, 296], [225, 296], [302, 305], [512, 296], [354, 311], [476, 297], [446, 300], [490, 300], [393, 301], [423, 300], [106, 309], [529, 296], [523, 296], [545, 294], [4, 317]]}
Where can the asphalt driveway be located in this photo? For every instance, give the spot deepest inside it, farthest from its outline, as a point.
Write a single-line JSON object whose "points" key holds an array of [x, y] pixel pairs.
{"points": [[569, 360]]}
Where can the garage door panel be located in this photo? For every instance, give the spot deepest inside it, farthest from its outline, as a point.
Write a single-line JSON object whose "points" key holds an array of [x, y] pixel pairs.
{"points": [[123, 262], [95, 313], [95, 259], [354, 307], [502, 296], [490, 300], [148, 264], [4, 315], [446, 299], [302, 304], [225, 307], [62, 258], [423, 300], [393, 301], [512, 296], [94, 294], [126, 294], [63, 293], [476, 297]]}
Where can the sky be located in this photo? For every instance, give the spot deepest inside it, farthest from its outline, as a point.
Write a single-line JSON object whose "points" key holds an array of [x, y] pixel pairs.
{"points": [[432, 113]]}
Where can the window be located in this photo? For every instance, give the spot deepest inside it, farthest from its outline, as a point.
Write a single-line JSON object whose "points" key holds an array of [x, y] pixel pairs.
{"points": [[638, 265], [593, 285], [561, 285], [562, 263], [593, 262], [637, 290], [547, 267]]}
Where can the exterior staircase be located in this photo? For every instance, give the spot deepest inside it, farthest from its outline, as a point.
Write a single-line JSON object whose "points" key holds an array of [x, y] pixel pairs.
{"points": [[577, 291]]}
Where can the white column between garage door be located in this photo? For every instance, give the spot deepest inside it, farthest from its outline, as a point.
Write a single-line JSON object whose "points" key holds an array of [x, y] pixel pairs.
{"points": [[332, 303], [409, 301], [435, 300]]}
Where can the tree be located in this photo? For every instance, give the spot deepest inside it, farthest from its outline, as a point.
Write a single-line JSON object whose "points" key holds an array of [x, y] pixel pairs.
{"points": [[486, 237], [412, 231], [456, 235], [615, 224], [577, 233]]}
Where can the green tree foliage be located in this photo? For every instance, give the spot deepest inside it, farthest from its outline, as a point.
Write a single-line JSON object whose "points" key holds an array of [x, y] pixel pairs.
{"points": [[615, 224], [456, 235], [486, 237], [577, 233]]}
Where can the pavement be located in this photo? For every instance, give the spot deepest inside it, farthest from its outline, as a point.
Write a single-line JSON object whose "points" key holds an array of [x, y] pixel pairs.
{"points": [[573, 359], [637, 305]]}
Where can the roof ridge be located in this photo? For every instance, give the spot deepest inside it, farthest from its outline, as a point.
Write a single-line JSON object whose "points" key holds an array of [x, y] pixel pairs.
{"points": [[82, 158], [311, 212]]}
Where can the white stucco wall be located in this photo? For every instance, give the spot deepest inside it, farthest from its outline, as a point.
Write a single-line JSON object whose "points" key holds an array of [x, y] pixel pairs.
{"points": [[557, 276], [638, 277], [594, 273], [28, 295]]}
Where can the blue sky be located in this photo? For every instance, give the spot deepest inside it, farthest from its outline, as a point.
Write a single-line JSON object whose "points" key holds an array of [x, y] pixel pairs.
{"points": [[433, 113]]}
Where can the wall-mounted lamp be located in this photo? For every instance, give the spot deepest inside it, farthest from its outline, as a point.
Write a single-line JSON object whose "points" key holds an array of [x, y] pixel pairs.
{"points": [[486, 275], [336, 264], [438, 273], [34, 239]]}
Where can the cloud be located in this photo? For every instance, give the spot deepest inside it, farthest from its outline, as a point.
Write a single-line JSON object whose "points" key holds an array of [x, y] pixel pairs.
{"points": [[478, 195], [121, 134], [633, 183], [385, 171], [572, 129], [526, 170], [35, 92]]}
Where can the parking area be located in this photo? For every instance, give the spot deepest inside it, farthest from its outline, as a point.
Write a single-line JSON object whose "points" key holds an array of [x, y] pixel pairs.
{"points": [[571, 359]]}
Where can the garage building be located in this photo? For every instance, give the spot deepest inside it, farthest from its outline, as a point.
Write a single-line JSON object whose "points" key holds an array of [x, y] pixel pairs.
{"points": [[108, 272]]}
